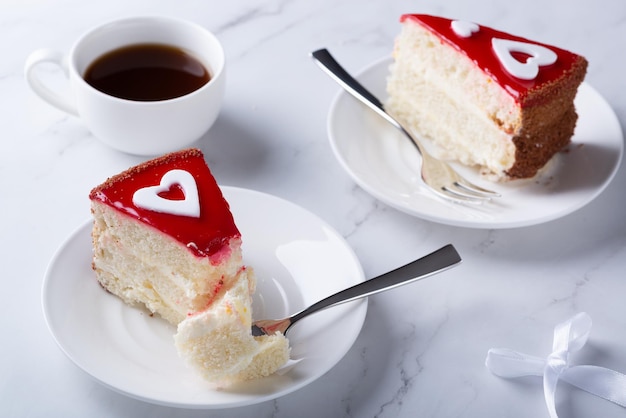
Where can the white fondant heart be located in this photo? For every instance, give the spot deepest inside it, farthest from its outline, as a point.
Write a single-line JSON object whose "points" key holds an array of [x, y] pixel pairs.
{"points": [[464, 29], [539, 55], [148, 197]]}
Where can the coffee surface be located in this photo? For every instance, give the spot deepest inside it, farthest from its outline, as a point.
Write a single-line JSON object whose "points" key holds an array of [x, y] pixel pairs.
{"points": [[147, 72]]}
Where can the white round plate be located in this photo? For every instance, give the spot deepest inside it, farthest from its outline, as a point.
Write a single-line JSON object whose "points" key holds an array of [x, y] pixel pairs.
{"points": [[387, 166], [298, 260]]}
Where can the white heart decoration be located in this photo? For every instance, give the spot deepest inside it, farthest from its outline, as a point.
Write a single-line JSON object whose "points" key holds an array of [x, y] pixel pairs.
{"points": [[148, 197], [464, 29], [539, 55]]}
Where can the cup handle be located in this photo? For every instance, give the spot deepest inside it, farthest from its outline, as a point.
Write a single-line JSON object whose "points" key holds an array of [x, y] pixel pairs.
{"points": [[55, 99]]}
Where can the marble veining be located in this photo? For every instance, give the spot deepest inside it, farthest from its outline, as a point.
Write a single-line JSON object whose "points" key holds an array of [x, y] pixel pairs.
{"points": [[422, 349]]}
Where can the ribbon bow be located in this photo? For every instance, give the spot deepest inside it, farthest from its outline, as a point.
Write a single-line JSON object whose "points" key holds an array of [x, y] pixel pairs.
{"points": [[569, 336]]}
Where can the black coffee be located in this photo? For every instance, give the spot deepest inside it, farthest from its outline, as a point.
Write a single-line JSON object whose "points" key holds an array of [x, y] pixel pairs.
{"points": [[147, 72]]}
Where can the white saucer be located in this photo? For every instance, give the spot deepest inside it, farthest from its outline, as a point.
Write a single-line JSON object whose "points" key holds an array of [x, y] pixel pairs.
{"points": [[386, 165], [298, 259]]}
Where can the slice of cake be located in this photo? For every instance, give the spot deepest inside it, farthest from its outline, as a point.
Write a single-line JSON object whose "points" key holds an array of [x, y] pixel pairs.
{"points": [[487, 98], [164, 238]]}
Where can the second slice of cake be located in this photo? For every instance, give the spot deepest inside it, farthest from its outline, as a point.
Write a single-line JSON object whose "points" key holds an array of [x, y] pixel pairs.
{"points": [[488, 98]]}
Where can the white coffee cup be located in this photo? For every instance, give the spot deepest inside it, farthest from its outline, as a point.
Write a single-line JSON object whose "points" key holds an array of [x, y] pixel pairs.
{"points": [[136, 127]]}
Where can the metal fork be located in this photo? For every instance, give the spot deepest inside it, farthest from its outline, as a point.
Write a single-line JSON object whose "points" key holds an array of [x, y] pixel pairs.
{"points": [[435, 262], [438, 175]]}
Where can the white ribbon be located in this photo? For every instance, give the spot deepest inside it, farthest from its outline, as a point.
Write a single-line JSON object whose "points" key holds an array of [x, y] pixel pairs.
{"points": [[569, 336]]}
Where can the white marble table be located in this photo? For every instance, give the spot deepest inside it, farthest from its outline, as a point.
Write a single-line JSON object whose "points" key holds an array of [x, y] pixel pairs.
{"points": [[421, 351]]}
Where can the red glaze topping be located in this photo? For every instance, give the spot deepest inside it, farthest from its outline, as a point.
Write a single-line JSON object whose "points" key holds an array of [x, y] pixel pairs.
{"points": [[478, 48], [205, 235]]}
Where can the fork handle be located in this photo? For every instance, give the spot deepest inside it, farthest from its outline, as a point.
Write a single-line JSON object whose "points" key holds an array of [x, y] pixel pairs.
{"points": [[328, 63], [331, 67], [440, 260]]}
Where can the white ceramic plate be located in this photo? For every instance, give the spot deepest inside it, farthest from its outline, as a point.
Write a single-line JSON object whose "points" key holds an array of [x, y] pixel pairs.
{"points": [[298, 259], [386, 165]]}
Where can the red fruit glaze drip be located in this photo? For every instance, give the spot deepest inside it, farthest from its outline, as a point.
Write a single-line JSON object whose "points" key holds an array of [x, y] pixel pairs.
{"points": [[204, 236], [478, 49]]}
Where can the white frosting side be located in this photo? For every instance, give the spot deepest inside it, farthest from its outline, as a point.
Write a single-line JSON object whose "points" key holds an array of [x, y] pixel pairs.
{"points": [[464, 29], [539, 55], [148, 197]]}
